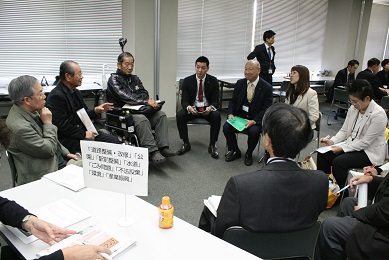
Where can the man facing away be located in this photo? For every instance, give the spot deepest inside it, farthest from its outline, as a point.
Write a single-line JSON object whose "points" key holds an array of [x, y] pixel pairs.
{"points": [[265, 53], [281, 197], [344, 76], [200, 99], [369, 74], [126, 88], [65, 100], [250, 99], [34, 142]]}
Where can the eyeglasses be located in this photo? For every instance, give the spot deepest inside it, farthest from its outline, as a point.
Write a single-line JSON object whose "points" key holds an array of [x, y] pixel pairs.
{"points": [[78, 74], [353, 102], [40, 95]]}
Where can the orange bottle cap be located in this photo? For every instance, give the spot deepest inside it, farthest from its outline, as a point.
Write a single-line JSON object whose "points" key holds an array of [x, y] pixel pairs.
{"points": [[166, 200]]}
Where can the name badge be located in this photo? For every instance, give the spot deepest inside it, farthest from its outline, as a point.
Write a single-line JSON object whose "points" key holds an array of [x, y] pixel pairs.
{"points": [[270, 71], [245, 108], [200, 104]]}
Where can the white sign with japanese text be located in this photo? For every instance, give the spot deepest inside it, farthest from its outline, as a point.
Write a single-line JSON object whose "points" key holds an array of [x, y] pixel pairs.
{"points": [[115, 167]]}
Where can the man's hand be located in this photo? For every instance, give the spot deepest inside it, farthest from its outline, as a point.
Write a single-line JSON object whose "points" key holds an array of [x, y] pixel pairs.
{"points": [[250, 123], [103, 107], [359, 179], [371, 171], [336, 149], [90, 135], [85, 252], [326, 141], [207, 111], [46, 116], [153, 103], [45, 231], [231, 116], [72, 156], [192, 110]]}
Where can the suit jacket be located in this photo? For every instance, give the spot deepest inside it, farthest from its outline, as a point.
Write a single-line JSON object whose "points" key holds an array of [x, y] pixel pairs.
{"points": [[34, 150], [12, 214], [260, 52], [308, 102], [375, 83], [383, 77], [70, 127], [262, 100], [370, 238], [280, 197], [371, 135], [189, 91], [341, 77]]}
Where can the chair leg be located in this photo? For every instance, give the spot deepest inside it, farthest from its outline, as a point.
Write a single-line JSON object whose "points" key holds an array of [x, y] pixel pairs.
{"points": [[329, 113]]}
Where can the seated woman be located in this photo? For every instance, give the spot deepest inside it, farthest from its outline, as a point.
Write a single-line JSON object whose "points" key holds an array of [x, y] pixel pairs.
{"points": [[299, 93], [362, 135]]}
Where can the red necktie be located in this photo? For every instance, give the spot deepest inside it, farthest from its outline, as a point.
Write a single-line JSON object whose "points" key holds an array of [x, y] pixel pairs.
{"points": [[200, 97]]}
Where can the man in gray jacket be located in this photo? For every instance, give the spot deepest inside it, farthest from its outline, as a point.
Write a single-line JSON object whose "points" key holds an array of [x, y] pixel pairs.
{"points": [[34, 142]]}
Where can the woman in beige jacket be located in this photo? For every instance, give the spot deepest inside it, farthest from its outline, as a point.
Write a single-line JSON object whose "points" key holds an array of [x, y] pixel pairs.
{"points": [[299, 93]]}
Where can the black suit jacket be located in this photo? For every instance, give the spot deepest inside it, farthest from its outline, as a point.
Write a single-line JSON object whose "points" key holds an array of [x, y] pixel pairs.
{"points": [[260, 52], [70, 127], [262, 100], [281, 197], [12, 214], [368, 75], [341, 77], [189, 91], [383, 77]]}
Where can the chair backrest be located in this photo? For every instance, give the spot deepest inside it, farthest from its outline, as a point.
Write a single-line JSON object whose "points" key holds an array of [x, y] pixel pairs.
{"points": [[328, 84], [385, 102], [341, 95], [284, 85], [12, 167], [178, 94], [267, 245]]}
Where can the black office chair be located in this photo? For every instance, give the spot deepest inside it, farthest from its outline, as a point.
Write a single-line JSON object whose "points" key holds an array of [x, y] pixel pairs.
{"points": [[340, 101], [281, 92], [385, 102], [298, 244], [13, 168]]}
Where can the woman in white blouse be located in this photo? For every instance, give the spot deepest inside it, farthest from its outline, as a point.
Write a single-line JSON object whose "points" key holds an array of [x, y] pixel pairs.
{"points": [[299, 93], [361, 140]]}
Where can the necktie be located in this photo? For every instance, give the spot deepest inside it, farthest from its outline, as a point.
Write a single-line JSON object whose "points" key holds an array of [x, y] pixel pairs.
{"points": [[350, 78], [200, 95], [269, 53], [250, 92]]}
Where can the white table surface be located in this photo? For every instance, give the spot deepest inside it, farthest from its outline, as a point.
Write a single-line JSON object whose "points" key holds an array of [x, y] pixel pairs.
{"points": [[183, 241], [83, 87]]}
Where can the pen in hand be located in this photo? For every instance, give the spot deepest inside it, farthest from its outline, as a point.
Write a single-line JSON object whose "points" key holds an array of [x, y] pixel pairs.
{"points": [[322, 139]]}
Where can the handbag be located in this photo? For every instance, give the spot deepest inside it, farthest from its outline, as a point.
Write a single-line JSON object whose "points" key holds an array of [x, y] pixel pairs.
{"points": [[333, 189], [308, 163]]}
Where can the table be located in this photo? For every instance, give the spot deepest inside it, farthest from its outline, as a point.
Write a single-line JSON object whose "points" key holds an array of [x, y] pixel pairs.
{"points": [[183, 241]]}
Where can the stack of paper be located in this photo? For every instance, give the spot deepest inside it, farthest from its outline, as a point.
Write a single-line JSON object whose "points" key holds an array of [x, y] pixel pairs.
{"points": [[212, 203], [71, 177]]}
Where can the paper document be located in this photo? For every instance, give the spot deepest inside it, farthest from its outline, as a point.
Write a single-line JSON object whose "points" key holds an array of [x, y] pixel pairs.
{"points": [[91, 235], [71, 177], [86, 120], [238, 123], [325, 149], [212, 203], [137, 107], [62, 213]]}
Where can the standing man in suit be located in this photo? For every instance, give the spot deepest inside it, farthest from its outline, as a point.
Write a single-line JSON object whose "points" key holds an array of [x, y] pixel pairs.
{"points": [[369, 74], [358, 233], [265, 53], [200, 99], [344, 76], [383, 75], [65, 100], [269, 200], [252, 96]]}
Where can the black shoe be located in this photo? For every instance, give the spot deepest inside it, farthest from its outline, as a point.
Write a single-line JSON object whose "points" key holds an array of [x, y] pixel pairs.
{"points": [[166, 152], [212, 150], [232, 155], [248, 159], [185, 148]]}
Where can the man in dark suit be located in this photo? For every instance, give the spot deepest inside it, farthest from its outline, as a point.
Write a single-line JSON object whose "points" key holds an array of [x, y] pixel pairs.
{"points": [[265, 53], [273, 199], [252, 96], [383, 75], [344, 76], [200, 99], [369, 74], [65, 100], [358, 233]]}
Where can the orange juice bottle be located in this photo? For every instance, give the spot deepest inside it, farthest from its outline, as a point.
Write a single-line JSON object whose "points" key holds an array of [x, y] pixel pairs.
{"points": [[166, 213]]}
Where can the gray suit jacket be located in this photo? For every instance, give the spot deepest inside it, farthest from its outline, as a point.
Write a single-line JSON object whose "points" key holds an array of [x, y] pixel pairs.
{"points": [[281, 197], [34, 150]]}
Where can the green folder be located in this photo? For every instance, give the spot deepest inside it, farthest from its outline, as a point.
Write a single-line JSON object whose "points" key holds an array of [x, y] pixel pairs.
{"points": [[238, 123]]}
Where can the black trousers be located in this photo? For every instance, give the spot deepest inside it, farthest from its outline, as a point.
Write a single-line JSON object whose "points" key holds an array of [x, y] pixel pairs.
{"points": [[341, 163], [254, 133], [213, 118], [267, 77]]}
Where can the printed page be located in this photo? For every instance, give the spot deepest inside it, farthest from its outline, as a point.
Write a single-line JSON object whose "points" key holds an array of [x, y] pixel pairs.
{"points": [[71, 177], [325, 149], [86, 120]]}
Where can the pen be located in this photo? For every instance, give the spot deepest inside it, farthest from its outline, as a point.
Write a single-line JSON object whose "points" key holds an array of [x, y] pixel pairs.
{"points": [[342, 189], [328, 136]]}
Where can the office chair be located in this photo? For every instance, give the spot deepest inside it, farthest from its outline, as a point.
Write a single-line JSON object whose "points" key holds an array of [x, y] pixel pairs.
{"points": [[281, 245], [317, 130], [12, 167], [340, 101], [281, 92], [385, 102]]}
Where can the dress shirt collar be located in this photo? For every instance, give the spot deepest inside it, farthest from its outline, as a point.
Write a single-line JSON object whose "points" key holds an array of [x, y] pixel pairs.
{"points": [[255, 82], [198, 80], [279, 159]]}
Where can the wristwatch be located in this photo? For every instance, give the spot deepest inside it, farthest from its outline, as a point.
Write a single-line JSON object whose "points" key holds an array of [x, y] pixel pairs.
{"points": [[25, 219]]}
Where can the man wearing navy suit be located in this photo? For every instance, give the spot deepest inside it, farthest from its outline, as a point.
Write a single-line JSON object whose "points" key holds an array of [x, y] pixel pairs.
{"points": [[252, 96], [265, 55], [369, 74], [200, 99]]}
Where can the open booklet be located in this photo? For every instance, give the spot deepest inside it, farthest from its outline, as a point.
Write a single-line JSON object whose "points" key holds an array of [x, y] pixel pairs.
{"points": [[91, 235], [71, 177], [62, 213], [212, 203], [138, 107], [238, 123]]}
